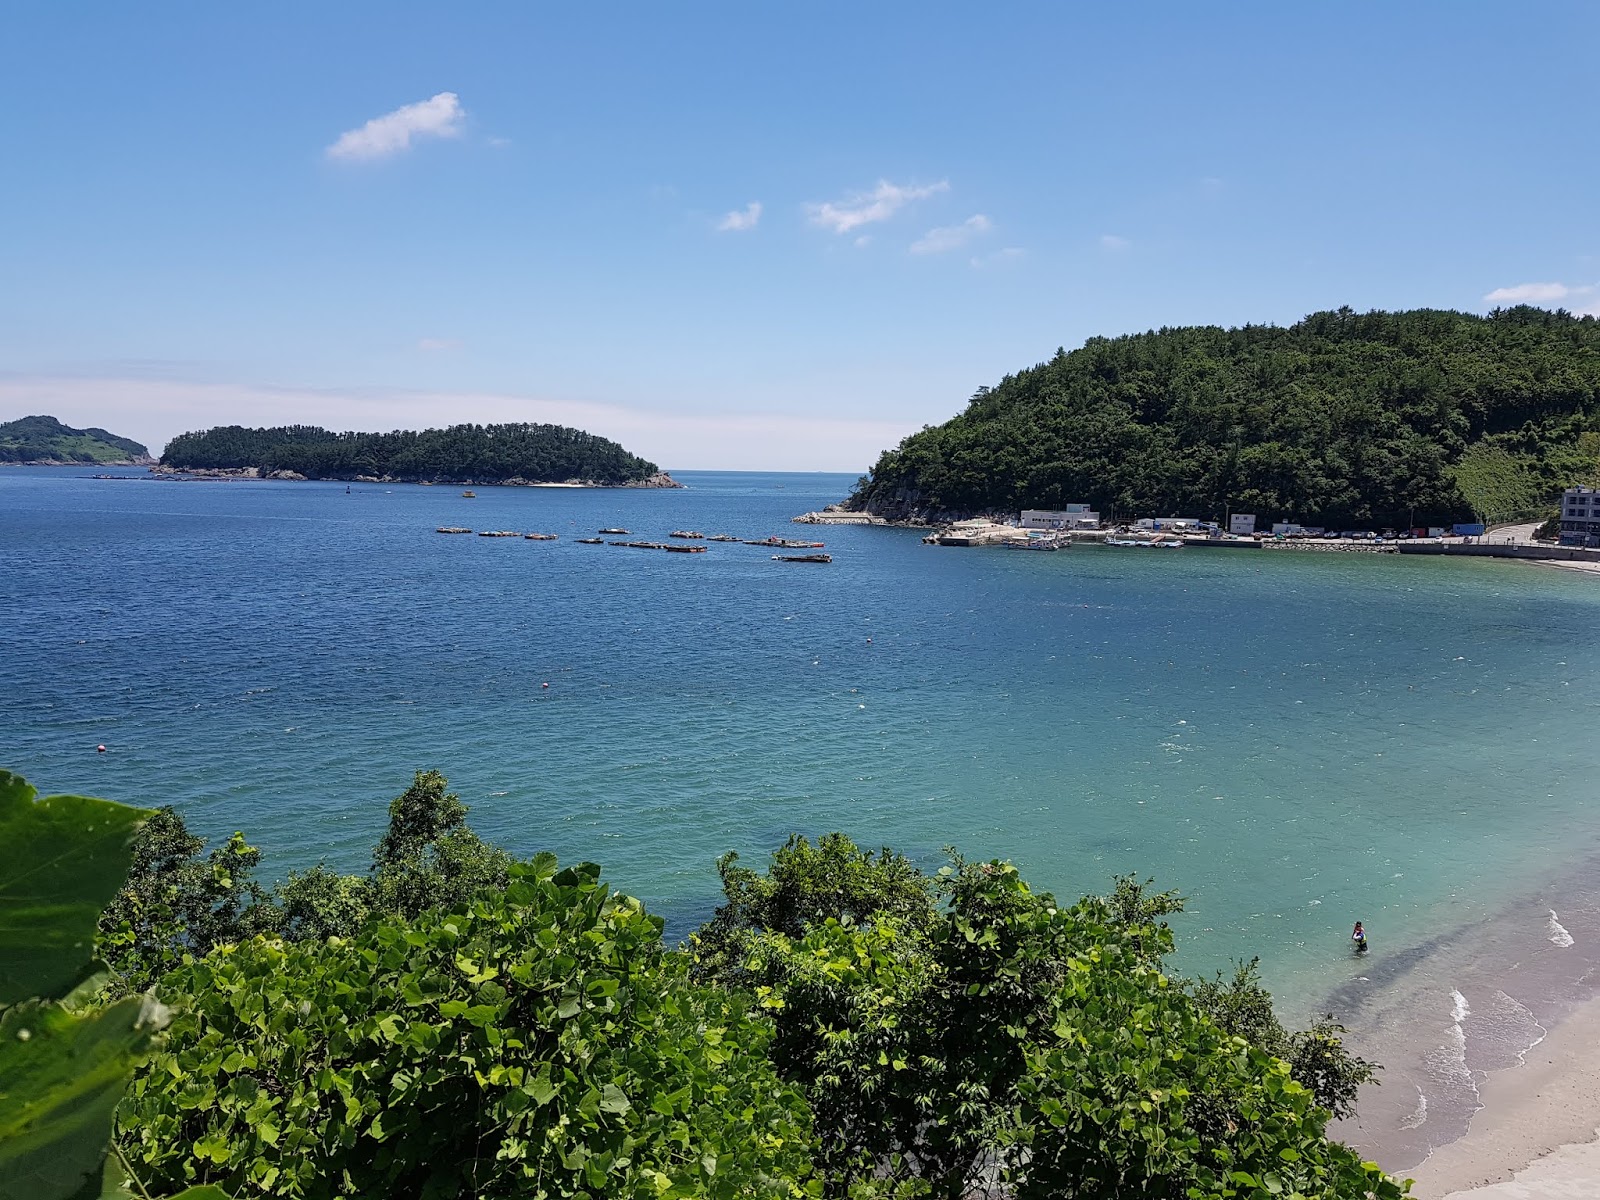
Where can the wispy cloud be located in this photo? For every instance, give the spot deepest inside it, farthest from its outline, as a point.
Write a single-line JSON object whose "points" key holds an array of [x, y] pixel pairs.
{"points": [[952, 237], [438, 116], [1110, 241], [433, 345], [866, 207], [741, 219], [1581, 298], [1006, 254], [1535, 293]]}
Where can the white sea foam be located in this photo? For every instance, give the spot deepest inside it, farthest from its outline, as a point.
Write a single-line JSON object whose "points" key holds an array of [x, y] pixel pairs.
{"points": [[1419, 1114], [1558, 932], [1460, 1010]]}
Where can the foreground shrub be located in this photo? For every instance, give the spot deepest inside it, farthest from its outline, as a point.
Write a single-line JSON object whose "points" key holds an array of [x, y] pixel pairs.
{"points": [[535, 1042]]}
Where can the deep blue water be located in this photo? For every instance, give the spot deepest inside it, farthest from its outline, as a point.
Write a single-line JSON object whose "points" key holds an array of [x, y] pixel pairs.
{"points": [[1294, 740]]}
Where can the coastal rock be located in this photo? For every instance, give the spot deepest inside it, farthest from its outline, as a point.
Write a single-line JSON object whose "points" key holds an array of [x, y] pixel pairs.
{"points": [[659, 480]]}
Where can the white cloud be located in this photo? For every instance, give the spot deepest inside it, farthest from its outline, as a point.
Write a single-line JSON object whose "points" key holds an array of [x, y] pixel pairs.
{"points": [[1534, 293], [1110, 241], [1005, 254], [877, 205], [741, 219], [1581, 298], [154, 410], [436, 345], [951, 237], [439, 116]]}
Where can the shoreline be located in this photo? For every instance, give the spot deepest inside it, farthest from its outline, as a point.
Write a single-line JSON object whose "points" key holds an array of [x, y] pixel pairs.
{"points": [[1490, 1038], [1536, 1134], [160, 474]]}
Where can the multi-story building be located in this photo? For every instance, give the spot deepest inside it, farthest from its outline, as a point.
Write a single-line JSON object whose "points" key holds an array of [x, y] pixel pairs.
{"points": [[1580, 516], [1073, 516]]}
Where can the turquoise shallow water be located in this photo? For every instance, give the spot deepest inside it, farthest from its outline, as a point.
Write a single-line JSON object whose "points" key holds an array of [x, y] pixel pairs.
{"points": [[1294, 740]]}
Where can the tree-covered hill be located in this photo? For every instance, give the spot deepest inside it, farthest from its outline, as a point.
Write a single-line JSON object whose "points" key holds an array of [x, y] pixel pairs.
{"points": [[47, 440], [461, 453], [1343, 419]]}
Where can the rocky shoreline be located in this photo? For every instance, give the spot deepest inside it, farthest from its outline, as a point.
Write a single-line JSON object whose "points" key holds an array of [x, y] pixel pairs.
{"points": [[81, 462], [159, 471]]}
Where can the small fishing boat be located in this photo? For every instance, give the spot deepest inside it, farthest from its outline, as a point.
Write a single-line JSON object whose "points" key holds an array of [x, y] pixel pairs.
{"points": [[806, 558], [623, 532], [1046, 541], [685, 533], [591, 541], [541, 537], [454, 529], [469, 495]]}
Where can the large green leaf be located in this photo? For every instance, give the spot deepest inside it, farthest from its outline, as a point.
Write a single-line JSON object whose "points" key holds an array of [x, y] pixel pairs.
{"points": [[62, 859], [61, 1077]]}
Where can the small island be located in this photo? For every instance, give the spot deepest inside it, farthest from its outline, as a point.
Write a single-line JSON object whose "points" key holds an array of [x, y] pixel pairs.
{"points": [[46, 442], [516, 454]]}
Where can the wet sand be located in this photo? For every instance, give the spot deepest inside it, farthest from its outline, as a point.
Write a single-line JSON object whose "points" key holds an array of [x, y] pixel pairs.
{"points": [[1490, 1038]]}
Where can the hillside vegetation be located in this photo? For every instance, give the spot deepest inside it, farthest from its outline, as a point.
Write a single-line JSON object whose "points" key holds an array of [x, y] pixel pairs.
{"points": [[47, 440], [461, 453], [1343, 419]]}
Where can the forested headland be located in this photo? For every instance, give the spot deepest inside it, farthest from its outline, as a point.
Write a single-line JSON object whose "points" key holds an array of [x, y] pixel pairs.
{"points": [[456, 1022], [46, 441], [1344, 419], [460, 454]]}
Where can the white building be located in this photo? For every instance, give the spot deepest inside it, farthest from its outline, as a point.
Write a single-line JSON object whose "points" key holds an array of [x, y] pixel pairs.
{"points": [[1242, 524], [1073, 516], [1174, 524], [1580, 516]]}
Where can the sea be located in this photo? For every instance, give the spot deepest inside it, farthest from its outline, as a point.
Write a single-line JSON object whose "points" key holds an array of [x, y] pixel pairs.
{"points": [[1293, 741]]}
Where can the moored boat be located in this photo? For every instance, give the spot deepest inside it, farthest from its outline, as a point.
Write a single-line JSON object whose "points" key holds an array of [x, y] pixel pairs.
{"points": [[624, 532], [541, 537], [454, 529], [498, 533], [805, 558], [685, 533], [591, 541]]}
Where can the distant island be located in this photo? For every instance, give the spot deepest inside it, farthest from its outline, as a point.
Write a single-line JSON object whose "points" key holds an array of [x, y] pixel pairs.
{"points": [[46, 442], [471, 454], [1345, 419]]}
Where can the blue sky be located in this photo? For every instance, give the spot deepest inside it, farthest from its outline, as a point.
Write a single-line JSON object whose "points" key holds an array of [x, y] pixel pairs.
{"points": [[747, 235]]}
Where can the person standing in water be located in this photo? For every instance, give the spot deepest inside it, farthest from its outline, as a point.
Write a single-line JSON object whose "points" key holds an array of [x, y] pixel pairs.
{"points": [[1358, 935]]}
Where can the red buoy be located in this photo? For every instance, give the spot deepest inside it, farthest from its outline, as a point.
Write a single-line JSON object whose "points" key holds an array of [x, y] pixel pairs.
{"points": [[100, 749]]}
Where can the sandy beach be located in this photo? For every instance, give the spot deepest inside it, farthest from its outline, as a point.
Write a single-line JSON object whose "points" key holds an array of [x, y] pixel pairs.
{"points": [[1535, 1136], [1490, 1039]]}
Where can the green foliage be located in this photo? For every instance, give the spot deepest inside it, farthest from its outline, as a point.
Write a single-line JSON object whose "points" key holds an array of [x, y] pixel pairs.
{"points": [[535, 1042], [176, 902], [179, 902], [804, 886], [62, 1070], [45, 439], [481, 453], [1344, 419], [1501, 485], [429, 858], [1017, 1044], [1317, 1057], [61, 859]]}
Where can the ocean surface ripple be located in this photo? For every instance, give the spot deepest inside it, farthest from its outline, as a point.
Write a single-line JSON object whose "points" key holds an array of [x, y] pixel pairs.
{"points": [[1295, 741]]}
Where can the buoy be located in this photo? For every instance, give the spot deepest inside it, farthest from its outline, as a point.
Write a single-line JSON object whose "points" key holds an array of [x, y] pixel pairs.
{"points": [[100, 749], [544, 685]]}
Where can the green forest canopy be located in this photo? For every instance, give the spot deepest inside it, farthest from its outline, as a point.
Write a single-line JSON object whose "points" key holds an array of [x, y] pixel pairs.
{"points": [[1343, 419], [45, 439], [461, 453]]}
